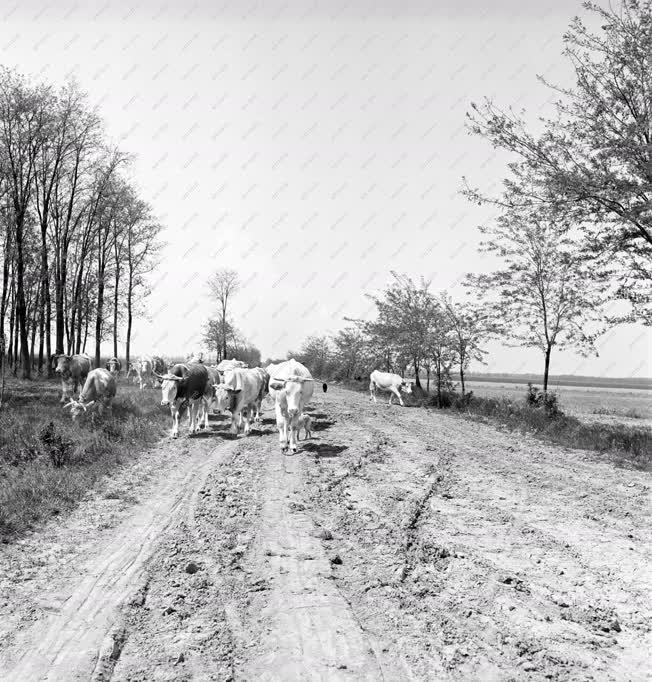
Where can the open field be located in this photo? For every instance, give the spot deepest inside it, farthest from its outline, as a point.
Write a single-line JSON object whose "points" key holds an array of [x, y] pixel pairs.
{"points": [[397, 544], [591, 404]]}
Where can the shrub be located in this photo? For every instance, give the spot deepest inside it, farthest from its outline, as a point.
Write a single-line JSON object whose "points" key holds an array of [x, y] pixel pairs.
{"points": [[57, 447], [548, 400]]}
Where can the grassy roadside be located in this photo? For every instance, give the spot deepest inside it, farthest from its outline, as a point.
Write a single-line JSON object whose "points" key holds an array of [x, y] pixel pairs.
{"points": [[47, 463], [624, 444]]}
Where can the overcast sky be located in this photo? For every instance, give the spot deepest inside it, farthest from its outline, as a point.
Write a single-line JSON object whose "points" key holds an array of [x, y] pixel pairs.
{"points": [[311, 146]]}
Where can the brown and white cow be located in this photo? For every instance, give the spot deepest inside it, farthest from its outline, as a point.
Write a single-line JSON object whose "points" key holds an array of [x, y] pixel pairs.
{"points": [[187, 386], [73, 370]]}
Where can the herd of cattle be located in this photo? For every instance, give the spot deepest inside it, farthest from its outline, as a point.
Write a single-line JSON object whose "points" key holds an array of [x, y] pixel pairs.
{"points": [[199, 388]]}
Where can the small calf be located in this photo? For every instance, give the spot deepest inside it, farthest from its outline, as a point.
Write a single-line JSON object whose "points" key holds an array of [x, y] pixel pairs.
{"points": [[305, 423]]}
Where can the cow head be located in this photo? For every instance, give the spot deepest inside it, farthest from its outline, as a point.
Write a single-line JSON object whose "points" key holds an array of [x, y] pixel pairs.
{"points": [[295, 394], [62, 365], [222, 398], [113, 365], [77, 408], [406, 387], [169, 386]]}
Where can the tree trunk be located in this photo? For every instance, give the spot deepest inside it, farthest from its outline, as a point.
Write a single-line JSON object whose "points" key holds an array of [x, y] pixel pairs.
{"points": [[115, 312], [428, 379], [462, 377], [438, 369], [129, 321], [546, 369], [417, 380], [98, 317], [46, 308], [21, 308]]}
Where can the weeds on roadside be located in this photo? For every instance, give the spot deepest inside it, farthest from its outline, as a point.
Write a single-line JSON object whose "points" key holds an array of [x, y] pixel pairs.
{"points": [[47, 462]]}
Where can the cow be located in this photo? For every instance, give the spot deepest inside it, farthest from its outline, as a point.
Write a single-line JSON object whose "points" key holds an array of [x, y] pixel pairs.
{"points": [[73, 370], [132, 372], [145, 368], [99, 389], [305, 423], [186, 384], [195, 356], [240, 392], [291, 386], [230, 364], [324, 387], [114, 366], [386, 381]]}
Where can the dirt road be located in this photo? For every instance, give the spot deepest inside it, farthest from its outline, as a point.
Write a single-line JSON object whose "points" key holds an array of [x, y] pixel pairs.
{"points": [[398, 544]]}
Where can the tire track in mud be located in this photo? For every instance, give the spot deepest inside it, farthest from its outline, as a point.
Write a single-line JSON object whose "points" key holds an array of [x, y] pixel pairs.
{"points": [[84, 638], [493, 588]]}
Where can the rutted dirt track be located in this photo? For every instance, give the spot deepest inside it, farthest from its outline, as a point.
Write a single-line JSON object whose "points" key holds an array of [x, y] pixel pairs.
{"points": [[397, 544]]}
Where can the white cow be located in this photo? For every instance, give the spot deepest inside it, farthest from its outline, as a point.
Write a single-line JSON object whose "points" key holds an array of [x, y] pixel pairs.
{"points": [[99, 389], [145, 368], [291, 386], [239, 392], [386, 381]]}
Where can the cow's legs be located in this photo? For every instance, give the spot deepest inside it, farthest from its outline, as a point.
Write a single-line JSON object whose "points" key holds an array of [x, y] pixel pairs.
{"points": [[294, 430], [206, 403], [395, 392], [281, 423], [175, 420], [247, 414], [372, 391], [192, 416]]}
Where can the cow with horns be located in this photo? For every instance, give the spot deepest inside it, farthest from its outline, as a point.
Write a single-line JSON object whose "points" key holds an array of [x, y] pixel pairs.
{"points": [[99, 389], [187, 386]]}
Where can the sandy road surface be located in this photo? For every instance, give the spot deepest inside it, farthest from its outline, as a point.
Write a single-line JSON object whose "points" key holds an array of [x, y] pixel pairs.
{"points": [[397, 544]]}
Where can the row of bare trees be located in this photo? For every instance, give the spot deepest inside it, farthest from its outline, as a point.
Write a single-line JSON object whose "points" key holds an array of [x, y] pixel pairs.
{"points": [[76, 239]]}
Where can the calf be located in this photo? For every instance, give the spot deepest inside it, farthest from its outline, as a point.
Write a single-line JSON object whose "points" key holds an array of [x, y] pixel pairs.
{"points": [[305, 423], [186, 384], [99, 389], [73, 370]]}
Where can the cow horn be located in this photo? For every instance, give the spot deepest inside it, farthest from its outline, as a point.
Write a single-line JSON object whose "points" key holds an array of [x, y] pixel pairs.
{"points": [[158, 376]]}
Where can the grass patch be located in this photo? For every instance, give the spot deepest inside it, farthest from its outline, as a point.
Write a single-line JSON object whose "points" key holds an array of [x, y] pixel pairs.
{"points": [[48, 463], [629, 444]]}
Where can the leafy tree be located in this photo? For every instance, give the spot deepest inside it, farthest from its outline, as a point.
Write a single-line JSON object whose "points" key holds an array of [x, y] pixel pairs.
{"points": [[594, 158], [469, 328], [349, 354], [404, 311], [545, 295]]}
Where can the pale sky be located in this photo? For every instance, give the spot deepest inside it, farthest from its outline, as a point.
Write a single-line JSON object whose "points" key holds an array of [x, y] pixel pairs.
{"points": [[312, 147]]}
